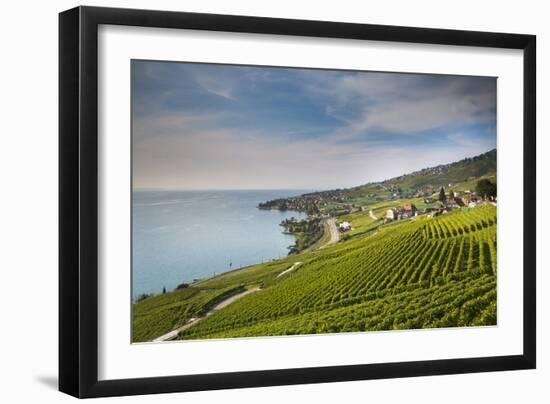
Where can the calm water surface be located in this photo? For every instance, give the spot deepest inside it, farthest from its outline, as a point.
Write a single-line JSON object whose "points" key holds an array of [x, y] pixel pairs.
{"points": [[179, 236]]}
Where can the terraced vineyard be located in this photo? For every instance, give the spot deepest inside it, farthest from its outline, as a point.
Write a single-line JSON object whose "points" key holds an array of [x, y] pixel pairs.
{"points": [[419, 273]]}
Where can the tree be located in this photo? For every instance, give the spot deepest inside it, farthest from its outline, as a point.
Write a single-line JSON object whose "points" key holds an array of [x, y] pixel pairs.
{"points": [[486, 188], [164, 289], [442, 196], [451, 194], [142, 296]]}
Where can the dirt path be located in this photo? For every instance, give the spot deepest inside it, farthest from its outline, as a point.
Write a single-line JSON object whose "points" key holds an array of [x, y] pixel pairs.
{"points": [[232, 299], [289, 269], [192, 321], [371, 214]]}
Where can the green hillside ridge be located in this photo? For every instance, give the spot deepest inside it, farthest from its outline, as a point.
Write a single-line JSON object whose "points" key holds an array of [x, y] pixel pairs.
{"points": [[483, 165], [461, 175]]}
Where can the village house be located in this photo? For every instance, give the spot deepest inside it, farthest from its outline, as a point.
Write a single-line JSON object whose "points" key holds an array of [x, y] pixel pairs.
{"points": [[455, 203], [436, 211], [409, 210], [472, 200], [393, 214], [401, 212], [344, 226]]}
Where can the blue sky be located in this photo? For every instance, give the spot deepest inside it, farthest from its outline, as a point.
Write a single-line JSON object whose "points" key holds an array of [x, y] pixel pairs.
{"points": [[206, 126]]}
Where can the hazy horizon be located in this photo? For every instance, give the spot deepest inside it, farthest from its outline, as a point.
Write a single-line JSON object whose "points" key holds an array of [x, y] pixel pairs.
{"points": [[200, 127], [285, 189]]}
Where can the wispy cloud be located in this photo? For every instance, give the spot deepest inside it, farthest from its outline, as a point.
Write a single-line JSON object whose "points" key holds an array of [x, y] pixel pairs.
{"points": [[213, 126], [215, 85], [411, 104]]}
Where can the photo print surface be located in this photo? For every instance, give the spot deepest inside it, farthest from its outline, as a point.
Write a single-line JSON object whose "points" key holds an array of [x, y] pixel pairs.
{"points": [[272, 201]]}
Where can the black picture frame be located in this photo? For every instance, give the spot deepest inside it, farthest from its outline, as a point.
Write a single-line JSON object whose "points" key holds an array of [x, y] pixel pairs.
{"points": [[78, 196]]}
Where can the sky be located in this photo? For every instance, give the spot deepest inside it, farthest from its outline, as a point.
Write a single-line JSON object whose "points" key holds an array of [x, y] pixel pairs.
{"points": [[207, 126]]}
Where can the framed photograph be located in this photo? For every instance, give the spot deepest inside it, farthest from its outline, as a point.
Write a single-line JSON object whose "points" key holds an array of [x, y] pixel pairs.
{"points": [[251, 201]]}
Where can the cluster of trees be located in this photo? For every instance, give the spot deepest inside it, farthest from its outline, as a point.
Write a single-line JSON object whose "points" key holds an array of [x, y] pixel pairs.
{"points": [[307, 232], [486, 188], [301, 204], [143, 296], [442, 196]]}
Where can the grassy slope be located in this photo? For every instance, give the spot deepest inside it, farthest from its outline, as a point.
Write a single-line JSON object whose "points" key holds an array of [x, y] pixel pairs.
{"points": [[362, 222], [417, 273], [162, 313]]}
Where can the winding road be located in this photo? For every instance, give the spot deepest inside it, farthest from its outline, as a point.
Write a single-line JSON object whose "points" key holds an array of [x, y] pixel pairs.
{"points": [[334, 233], [192, 321]]}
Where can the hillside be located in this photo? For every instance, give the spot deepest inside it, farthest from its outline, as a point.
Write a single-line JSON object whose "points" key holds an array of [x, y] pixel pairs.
{"points": [[463, 170], [418, 273], [462, 174], [483, 165]]}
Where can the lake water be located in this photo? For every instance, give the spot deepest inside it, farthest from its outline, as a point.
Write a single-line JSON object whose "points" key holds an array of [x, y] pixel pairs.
{"points": [[179, 236]]}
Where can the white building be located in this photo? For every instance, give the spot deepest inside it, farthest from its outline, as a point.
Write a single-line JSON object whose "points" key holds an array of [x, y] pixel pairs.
{"points": [[345, 226]]}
